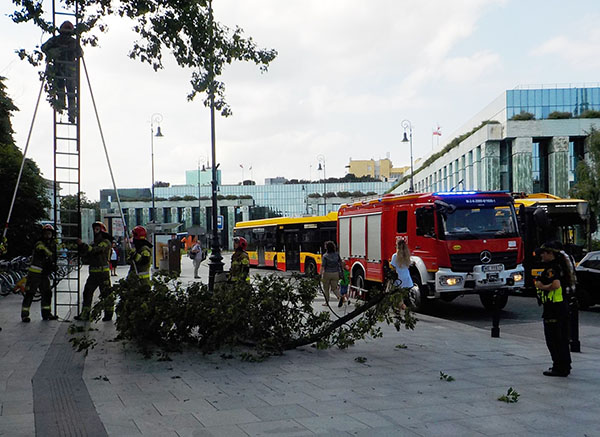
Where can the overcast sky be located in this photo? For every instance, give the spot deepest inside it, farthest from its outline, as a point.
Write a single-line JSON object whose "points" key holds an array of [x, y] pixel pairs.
{"points": [[347, 74]]}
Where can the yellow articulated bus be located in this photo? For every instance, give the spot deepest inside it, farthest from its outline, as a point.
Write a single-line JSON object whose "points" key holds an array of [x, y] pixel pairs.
{"points": [[544, 217], [288, 244]]}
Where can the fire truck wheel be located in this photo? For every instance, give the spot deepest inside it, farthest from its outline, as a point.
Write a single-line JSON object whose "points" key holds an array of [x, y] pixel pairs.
{"points": [[358, 279], [416, 296], [487, 300], [310, 268]]}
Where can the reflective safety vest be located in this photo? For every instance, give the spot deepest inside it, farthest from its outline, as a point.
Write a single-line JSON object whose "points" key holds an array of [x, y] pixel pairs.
{"points": [[552, 296], [140, 259]]}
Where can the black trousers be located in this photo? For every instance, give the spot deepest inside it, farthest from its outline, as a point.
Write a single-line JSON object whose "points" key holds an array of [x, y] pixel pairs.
{"points": [[556, 331], [98, 280], [35, 282]]}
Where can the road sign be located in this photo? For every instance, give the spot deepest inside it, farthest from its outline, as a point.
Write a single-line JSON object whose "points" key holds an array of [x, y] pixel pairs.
{"points": [[220, 222]]}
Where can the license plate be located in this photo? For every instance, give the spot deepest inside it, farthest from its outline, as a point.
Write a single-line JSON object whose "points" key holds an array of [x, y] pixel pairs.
{"points": [[493, 268]]}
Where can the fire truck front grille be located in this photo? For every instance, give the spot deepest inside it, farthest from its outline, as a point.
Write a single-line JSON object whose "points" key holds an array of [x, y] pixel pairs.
{"points": [[465, 262]]}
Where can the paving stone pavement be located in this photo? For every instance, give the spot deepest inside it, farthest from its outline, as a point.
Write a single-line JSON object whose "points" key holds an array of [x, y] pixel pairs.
{"points": [[395, 392]]}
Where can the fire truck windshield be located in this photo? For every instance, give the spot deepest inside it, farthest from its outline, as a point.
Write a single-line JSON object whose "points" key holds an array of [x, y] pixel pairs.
{"points": [[481, 222]]}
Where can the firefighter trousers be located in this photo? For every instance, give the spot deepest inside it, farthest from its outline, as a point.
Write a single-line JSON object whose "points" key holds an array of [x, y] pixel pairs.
{"points": [[35, 282], [98, 280]]}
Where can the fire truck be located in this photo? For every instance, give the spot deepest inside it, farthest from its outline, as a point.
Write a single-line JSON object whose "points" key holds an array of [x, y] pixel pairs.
{"points": [[461, 243]]}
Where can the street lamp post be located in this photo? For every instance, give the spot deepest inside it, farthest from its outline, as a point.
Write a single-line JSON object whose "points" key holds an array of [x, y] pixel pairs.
{"points": [[202, 161], [321, 160], [215, 261], [156, 118], [407, 125]]}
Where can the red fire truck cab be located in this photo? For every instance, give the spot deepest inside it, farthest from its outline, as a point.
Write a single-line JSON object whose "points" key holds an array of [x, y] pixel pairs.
{"points": [[461, 243]]}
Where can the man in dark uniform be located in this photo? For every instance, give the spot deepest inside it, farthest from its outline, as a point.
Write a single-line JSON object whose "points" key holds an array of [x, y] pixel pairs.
{"points": [[62, 52], [97, 255], [556, 313], [43, 263]]}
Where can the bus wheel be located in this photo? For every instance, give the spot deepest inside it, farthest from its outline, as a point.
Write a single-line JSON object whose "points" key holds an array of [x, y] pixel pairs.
{"points": [[310, 268], [416, 295], [487, 300]]}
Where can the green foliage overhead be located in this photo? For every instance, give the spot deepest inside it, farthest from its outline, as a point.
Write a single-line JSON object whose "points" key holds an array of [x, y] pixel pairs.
{"points": [[588, 175], [558, 115], [451, 145], [183, 28], [270, 315], [31, 201], [523, 116]]}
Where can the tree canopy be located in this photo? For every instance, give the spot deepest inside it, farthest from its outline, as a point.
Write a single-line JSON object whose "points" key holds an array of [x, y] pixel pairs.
{"points": [[185, 28], [32, 198]]}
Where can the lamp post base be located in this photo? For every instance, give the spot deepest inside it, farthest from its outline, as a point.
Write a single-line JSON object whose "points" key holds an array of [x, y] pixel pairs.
{"points": [[215, 267]]}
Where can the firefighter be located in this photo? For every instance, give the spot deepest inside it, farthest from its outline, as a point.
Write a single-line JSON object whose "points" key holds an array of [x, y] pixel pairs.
{"points": [[240, 262], [62, 52], [556, 313], [98, 254], [43, 263], [140, 257]]}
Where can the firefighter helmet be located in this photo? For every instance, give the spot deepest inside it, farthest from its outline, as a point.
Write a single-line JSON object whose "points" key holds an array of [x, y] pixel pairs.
{"points": [[241, 241], [139, 233], [48, 227], [67, 27], [99, 225]]}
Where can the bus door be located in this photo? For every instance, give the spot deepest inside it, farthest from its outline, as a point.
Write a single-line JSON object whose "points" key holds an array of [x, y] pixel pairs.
{"points": [[291, 243]]}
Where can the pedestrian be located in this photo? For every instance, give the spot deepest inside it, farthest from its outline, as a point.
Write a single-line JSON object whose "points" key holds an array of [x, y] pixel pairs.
{"points": [[401, 262], [140, 256], [62, 53], [43, 263], [97, 255], [555, 312], [331, 271], [113, 259], [196, 257], [344, 283], [240, 262]]}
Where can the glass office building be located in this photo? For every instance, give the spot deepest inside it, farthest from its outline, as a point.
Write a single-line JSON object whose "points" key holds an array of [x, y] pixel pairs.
{"points": [[541, 102]]}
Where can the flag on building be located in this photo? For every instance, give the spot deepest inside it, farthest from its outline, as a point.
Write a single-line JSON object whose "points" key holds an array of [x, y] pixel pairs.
{"points": [[241, 166], [438, 131]]}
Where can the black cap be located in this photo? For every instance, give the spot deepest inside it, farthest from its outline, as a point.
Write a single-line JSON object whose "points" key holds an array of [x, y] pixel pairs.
{"points": [[550, 246]]}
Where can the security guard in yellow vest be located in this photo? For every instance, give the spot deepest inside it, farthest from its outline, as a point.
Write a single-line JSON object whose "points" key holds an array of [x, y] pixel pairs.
{"points": [[140, 256], [98, 254], [43, 263], [556, 313], [240, 262]]}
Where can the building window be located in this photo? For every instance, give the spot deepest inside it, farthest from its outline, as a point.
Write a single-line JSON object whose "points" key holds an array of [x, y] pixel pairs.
{"points": [[139, 216], [126, 217], [478, 169], [576, 154], [166, 215], [195, 215], [470, 172], [539, 166], [506, 182]]}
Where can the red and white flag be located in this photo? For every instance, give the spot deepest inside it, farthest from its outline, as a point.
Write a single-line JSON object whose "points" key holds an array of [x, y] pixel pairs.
{"points": [[438, 131]]}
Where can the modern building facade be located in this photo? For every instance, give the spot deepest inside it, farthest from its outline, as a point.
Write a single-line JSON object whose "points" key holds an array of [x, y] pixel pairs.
{"points": [[528, 140], [191, 207], [381, 169]]}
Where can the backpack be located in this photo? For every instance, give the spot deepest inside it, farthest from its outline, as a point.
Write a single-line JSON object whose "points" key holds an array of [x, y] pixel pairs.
{"points": [[568, 267]]}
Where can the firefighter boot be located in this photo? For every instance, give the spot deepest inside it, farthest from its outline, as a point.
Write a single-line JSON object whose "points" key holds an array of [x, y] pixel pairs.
{"points": [[84, 315], [107, 317], [25, 315], [47, 314]]}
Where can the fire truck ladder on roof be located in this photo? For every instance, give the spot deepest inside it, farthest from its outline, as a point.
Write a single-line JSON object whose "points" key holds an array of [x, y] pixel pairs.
{"points": [[67, 176]]}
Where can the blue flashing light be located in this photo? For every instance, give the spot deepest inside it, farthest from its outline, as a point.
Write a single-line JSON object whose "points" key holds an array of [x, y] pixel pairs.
{"points": [[455, 193]]}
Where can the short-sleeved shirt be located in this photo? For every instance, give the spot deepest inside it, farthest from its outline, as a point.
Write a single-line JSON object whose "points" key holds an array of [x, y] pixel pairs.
{"points": [[404, 279]]}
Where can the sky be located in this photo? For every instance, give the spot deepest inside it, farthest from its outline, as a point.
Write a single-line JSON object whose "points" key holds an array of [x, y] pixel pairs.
{"points": [[347, 74]]}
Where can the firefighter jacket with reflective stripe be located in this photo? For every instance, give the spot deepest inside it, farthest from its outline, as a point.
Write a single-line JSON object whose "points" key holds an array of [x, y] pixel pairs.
{"points": [[43, 258], [141, 257], [98, 253], [240, 266]]}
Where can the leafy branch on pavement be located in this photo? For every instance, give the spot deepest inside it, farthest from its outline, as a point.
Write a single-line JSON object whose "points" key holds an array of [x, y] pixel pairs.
{"points": [[511, 396], [268, 316]]}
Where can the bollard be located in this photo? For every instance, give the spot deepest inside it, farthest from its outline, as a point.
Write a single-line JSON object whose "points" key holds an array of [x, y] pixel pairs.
{"points": [[495, 317], [574, 324]]}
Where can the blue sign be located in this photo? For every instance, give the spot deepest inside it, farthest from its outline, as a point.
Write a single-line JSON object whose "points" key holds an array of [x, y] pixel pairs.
{"points": [[220, 222]]}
